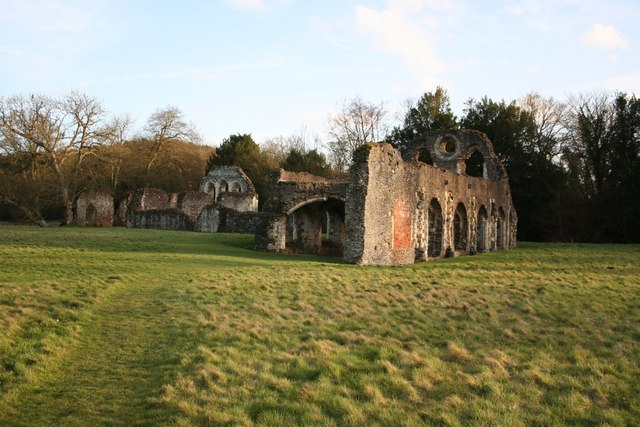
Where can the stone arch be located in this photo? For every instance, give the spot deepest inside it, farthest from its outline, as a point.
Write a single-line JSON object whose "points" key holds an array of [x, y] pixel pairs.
{"points": [[316, 226], [210, 188], [435, 229], [235, 187], [460, 228], [223, 186], [482, 232]]}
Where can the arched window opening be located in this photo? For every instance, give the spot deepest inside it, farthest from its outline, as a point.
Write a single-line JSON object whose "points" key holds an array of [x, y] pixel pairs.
{"points": [[448, 146], [211, 189], [482, 232], [223, 186], [460, 228], [424, 156], [435, 230], [474, 165], [235, 187]]}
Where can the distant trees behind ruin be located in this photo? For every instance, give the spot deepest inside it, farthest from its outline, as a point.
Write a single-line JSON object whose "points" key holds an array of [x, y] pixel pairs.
{"points": [[573, 165]]}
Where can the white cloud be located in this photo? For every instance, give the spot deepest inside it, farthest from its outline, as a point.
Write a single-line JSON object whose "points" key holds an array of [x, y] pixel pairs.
{"points": [[400, 30], [604, 37]]}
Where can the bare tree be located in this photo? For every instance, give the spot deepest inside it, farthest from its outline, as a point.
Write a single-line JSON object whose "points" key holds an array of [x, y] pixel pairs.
{"points": [[550, 117], [164, 126], [63, 132], [358, 123]]}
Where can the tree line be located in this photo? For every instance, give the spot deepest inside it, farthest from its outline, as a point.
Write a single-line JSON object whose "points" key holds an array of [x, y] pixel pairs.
{"points": [[573, 165]]}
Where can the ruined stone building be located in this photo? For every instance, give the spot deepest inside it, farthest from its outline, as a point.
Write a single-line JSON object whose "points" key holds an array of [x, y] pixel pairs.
{"points": [[230, 187], [449, 195], [227, 202], [446, 195]]}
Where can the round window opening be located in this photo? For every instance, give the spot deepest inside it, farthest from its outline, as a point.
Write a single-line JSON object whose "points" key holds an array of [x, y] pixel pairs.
{"points": [[448, 146]]}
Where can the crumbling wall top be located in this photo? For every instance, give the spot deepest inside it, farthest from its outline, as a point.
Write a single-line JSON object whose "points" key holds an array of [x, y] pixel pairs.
{"points": [[287, 176], [451, 149]]}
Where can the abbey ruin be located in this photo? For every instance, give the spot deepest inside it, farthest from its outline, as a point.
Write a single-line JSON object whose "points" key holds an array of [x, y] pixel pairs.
{"points": [[447, 195]]}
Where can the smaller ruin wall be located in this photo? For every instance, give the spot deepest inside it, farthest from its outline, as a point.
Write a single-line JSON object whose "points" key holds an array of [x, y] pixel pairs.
{"points": [[219, 219], [143, 200], [164, 219], [242, 202], [94, 209], [191, 203]]}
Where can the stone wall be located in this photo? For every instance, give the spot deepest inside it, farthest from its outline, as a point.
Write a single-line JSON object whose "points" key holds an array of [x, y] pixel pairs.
{"points": [[219, 219], [399, 211], [143, 200], [243, 202], [94, 209], [164, 219], [209, 219], [191, 203]]}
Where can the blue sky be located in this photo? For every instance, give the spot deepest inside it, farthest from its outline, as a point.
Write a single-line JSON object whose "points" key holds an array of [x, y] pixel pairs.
{"points": [[272, 67]]}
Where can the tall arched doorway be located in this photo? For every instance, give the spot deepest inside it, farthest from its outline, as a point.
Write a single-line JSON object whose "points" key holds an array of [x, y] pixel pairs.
{"points": [[316, 227], [435, 230], [482, 230], [460, 228]]}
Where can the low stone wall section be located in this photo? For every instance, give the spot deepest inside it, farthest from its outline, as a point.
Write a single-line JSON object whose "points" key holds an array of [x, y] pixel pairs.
{"points": [[239, 201], [219, 219], [166, 219]]}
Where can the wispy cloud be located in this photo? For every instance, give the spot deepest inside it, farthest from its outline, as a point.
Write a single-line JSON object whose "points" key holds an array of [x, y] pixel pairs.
{"points": [[253, 5], [402, 29], [604, 37]]}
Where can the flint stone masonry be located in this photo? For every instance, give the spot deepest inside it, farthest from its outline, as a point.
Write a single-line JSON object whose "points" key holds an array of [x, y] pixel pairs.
{"points": [[396, 209], [191, 203], [94, 209], [191, 210], [219, 219], [165, 219], [230, 187]]}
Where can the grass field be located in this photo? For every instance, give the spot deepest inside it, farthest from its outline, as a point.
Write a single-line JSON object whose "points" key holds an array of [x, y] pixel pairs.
{"points": [[144, 327]]}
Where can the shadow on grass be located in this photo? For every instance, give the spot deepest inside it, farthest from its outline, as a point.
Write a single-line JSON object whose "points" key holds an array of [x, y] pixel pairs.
{"points": [[230, 249]]}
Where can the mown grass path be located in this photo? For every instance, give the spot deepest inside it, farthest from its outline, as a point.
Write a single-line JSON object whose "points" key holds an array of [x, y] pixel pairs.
{"points": [[128, 348]]}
